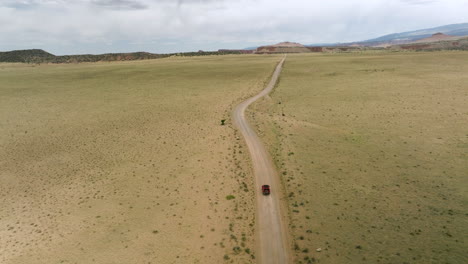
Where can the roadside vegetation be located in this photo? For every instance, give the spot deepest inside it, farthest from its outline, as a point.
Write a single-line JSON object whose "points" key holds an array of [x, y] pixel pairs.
{"points": [[127, 162], [372, 150]]}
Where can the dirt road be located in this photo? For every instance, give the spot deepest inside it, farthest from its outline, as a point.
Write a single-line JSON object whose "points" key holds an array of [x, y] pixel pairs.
{"points": [[271, 230]]}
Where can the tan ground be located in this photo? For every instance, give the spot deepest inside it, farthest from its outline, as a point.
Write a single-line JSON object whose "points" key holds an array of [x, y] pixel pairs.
{"points": [[372, 149], [126, 162]]}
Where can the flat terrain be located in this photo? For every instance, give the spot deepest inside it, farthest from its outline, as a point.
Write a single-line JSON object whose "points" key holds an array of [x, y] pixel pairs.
{"points": [[127, 162], [372, 150]]}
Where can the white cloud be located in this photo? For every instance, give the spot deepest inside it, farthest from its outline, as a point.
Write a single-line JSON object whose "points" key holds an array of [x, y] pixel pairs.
{"points": [[120, 4], [95, 26]]}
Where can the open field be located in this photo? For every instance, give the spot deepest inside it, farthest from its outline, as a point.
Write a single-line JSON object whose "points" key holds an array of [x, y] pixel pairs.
{"points": [[127, 162], [372, 150]]}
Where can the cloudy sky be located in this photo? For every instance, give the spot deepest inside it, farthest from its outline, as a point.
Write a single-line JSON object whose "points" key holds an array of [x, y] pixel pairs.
{"points": [[161, 26]]}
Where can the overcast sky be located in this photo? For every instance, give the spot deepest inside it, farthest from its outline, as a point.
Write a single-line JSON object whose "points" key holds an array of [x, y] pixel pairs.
{"points": [[162, 26]]}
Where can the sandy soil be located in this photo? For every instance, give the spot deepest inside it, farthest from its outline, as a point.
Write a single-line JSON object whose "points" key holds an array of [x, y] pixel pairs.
{"points": [[372, 150], [126, 162]]}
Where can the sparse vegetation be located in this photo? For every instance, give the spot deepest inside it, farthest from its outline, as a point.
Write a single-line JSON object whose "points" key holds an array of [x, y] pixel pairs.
{"points": [[369, 144], [379, 165], [133, 143]]}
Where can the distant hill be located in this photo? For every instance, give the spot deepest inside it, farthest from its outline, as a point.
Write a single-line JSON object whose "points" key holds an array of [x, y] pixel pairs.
{"points": [[41, 56], [409, 36], [453, 29], [293, 47], [33, 55], [283, 47], [453, 36], [436, 42], [437, 37]]}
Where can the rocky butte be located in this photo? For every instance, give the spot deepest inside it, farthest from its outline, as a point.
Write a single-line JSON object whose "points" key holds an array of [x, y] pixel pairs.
{"points": [[283, 47]]}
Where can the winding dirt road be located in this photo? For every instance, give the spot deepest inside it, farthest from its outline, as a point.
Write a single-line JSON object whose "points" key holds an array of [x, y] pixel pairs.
{"points": [[273, 244]]}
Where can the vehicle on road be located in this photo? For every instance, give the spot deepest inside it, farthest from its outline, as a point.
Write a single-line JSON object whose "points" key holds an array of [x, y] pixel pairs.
{"points": [[266, 189]]}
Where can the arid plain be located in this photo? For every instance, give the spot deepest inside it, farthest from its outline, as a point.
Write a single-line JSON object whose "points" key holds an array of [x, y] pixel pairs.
{"points": [[127, 162], [372, 150]]}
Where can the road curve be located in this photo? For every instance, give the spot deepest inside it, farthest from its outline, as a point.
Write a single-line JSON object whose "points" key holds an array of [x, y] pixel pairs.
{"points": [[272, 243]]}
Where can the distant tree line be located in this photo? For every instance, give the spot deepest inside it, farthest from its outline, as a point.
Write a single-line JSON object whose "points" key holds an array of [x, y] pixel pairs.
{"points": [[40, 56]]}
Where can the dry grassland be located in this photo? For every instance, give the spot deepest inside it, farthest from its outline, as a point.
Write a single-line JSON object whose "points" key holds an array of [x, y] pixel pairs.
{"points": [[127, 162], [372, 150]]}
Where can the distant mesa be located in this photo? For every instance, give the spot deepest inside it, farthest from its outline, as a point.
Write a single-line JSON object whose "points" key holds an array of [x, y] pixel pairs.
{"points": [[436, 34], [448, 37], [283, 47], [294, 47], [286, 47], [437, 37], [41, 56], [289, 44], [25, 55]]}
